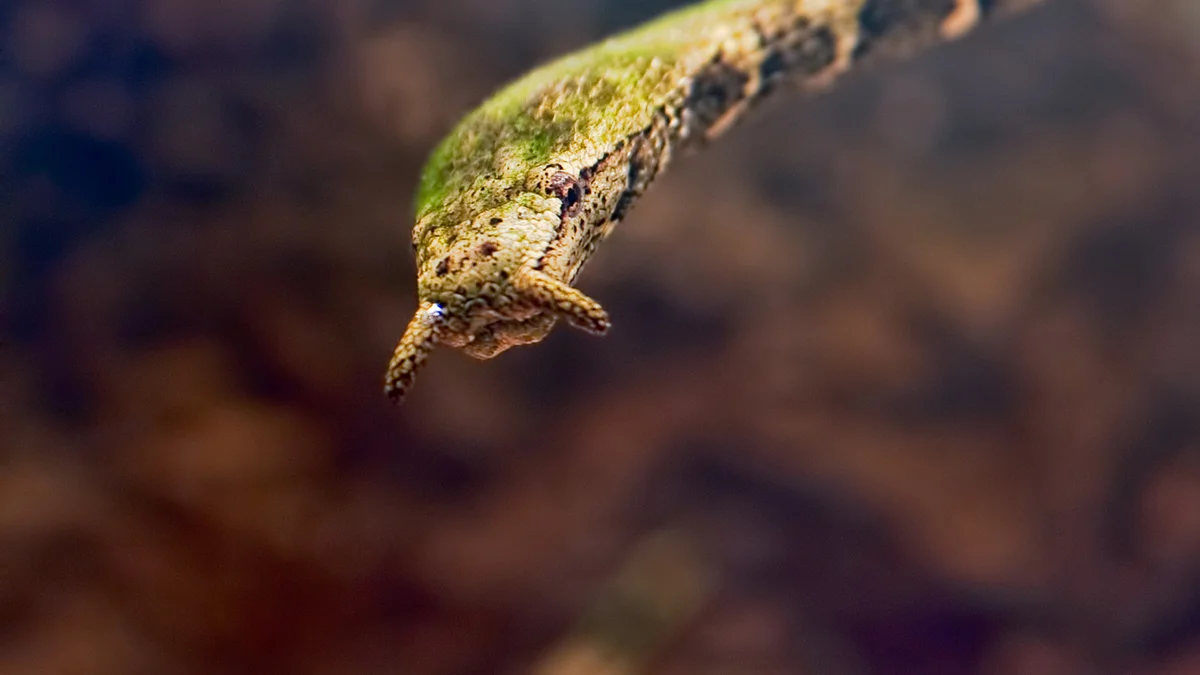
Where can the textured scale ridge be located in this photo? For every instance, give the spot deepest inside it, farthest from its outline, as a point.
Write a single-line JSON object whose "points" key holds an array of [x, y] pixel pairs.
{"points": [[515, 200]]}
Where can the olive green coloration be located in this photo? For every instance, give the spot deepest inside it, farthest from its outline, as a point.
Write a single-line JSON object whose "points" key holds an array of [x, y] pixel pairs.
{"points": [[514, 201]]}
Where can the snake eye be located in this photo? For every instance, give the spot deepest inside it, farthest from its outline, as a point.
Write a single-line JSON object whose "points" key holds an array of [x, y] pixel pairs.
{"points": [[566, 187]]}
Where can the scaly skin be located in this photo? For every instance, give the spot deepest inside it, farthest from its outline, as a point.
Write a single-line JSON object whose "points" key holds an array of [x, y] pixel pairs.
{"points": [[516, 198]]}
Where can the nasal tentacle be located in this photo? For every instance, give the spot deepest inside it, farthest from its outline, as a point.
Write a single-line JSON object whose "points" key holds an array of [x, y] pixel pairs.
{"points": [[413, 350], [562, 299]]}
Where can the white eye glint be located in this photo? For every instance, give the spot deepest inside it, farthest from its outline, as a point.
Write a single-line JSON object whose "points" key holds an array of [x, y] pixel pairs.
{"points": [[434, 313]]}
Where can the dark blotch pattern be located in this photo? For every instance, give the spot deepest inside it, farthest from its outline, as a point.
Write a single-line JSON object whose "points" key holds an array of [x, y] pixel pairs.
{"points": [[900, 21], [714, 90], [806, 51]]}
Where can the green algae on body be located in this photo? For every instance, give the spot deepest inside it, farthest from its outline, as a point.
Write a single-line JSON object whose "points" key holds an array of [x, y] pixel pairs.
{"points": [[514, 201]]}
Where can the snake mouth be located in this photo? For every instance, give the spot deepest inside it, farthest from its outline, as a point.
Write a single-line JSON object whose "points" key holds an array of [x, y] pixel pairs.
{"points": [[499, 336]]}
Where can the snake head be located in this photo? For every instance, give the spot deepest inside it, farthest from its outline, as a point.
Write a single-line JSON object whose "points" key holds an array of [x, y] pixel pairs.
{"points": [[484, 287]]}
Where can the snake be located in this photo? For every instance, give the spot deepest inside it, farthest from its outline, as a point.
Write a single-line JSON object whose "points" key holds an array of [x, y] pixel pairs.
{"points": [[514, 201]]}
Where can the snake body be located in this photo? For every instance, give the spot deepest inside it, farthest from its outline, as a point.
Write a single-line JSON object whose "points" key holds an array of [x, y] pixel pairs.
{"points": [[515, 200]]}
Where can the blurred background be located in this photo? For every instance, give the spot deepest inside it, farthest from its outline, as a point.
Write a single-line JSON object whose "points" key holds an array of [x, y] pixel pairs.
{"points": [[913, 367]]}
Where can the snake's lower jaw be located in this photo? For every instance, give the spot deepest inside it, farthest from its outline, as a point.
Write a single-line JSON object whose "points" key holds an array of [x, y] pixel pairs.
{"points": [[501, 336]]}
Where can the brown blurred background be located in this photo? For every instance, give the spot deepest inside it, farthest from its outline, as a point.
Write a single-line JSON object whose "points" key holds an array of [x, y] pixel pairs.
{"points": [[917, 362]]}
